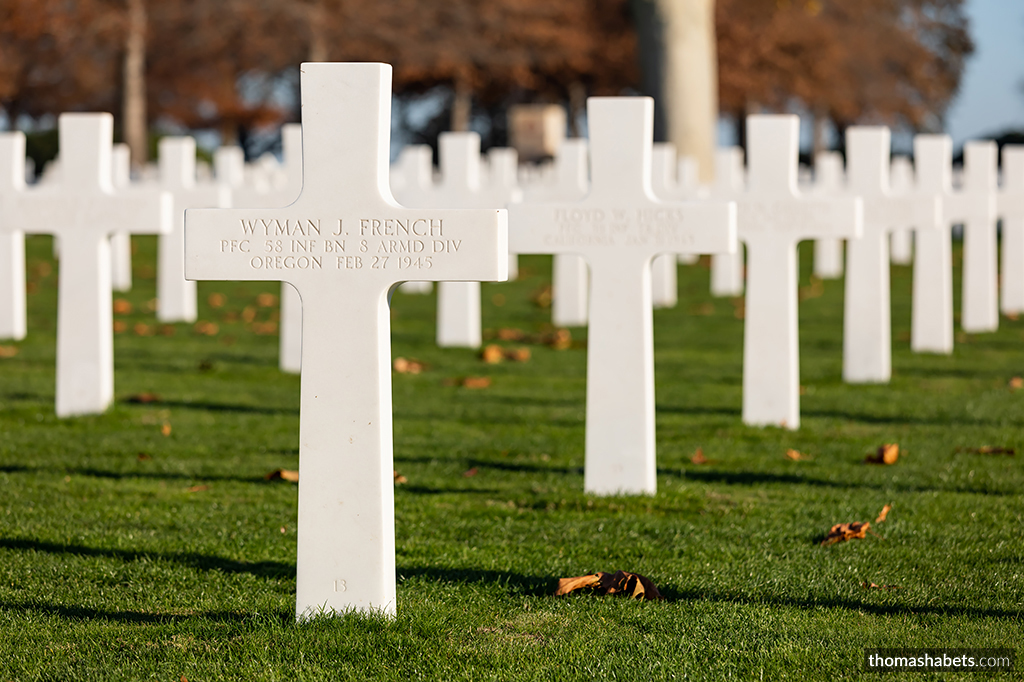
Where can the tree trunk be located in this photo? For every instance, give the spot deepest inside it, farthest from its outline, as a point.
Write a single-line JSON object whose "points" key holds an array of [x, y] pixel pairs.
{"points": [[577, 106], [691, 79], [462, 106], [134, 102]]}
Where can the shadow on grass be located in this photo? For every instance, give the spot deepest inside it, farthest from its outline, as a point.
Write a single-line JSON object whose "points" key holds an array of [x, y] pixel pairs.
{"points": [[937, 420], [73, 612], [202, 562], [126, 475], [427, 490], [545, 586], [761, 477], [214, 407]]}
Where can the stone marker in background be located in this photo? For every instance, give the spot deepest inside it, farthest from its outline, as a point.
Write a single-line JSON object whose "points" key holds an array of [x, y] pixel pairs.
{"points": [[931, 326], [13, 318], [82, 209], [771, 218], [975, 207], [664, 278], [867, 320], [121, 242], [829, 181], [503, 184], [569, 279], [176, 296], [901, 242], [414, 170], [1011, 210], [344, 244], [229, 164], [619, 227], [727, 268], [688, 179]]}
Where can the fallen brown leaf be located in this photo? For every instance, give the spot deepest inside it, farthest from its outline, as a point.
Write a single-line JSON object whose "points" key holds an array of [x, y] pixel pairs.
{"points": [[882, 514], [559, 339], [142, 329], [509, 334], [198, 488], [216, 300], [797, 456], [492, 353], [475, 382], [886, 454], [873, 586], [8, 351], [166, 330], [264, 328], [283, 475], [842, 532], [698, 457], [206, 328], [498, 300], [814, 290], [1012, 316], [143, 398], [165, 429], [1016, 383], [122, 306], [703, 309], [517, 354], [400, 479], [408, 366], [266, 300], [120, 326], [248, 313], [990, 450], [470, 473], [542, 297], [621, 582], [143, 457]]}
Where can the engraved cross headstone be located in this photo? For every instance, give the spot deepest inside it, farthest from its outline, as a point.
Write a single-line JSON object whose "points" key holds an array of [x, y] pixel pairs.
{"points": [[344, 243], [82, 209], [829, 180], [618, 228], [867, 332], [13, 317], [931, 325], [771, 218], [1011, 210], [176, 296]]}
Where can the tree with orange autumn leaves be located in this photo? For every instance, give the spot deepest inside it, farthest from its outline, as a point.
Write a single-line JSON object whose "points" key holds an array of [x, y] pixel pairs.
{"points": [[895, 61]]}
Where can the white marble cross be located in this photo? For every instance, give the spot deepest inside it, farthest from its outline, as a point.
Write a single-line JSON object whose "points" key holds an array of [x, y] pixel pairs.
{"points": [[13, 318], [121, 242], [772, 217], [83, 209], [569, 278], [829, 181], [931, 325], [619, 227], [975, 207], [901, 242], [176, 296], [664, 278], [229, 163], [867, 320], [458, 303], [503, 181], [727, 268], [414, 169], [1011, 210], [344, 244]]}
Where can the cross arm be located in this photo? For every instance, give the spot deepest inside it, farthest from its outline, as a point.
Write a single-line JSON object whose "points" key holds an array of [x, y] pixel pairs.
{"points": [[804, 218]]}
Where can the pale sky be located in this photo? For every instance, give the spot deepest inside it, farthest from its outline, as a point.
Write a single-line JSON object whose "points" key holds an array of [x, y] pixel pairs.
{"points": [[991, 98]]}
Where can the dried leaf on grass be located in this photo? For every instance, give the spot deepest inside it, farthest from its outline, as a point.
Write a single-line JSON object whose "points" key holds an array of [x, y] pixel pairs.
{"points": [[990, 450], [813, 290], [842, 532], [470, 473], [703, 309], [873, 586], [1016, 383], [886, 454], [266, 300], [166, 429], [122, 306], [621, 582], [509, 334], [882, 514], [408, 366], [206, 328], [474, 382], [198, 488], [797, 456], [542, 297], [400, 479], [8, 351], [143, 457], [492, 353], [698, 457], [283, 475], [143, 398]]}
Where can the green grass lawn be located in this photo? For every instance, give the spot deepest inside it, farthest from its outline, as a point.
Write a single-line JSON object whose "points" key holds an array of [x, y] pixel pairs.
{"points": [[129, 554]]}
